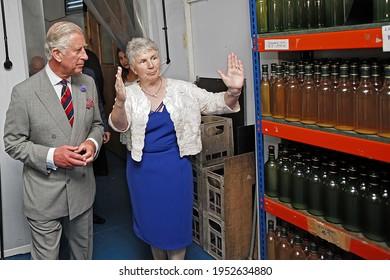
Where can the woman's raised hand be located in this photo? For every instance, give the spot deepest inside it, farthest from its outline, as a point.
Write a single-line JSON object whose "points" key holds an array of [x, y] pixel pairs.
{"points": [[234, 77], [120, 86]]}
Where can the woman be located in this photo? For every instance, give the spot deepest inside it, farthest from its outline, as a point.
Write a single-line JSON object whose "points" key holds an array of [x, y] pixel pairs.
{"points": [[161, 118], [128, 75]]}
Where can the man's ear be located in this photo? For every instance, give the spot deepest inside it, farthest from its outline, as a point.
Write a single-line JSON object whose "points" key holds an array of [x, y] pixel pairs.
{"points": [[57, 54]]}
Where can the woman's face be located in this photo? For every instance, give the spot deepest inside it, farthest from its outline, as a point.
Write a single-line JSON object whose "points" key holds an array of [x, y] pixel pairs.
{"points": [[123, 60], [147, 66]]}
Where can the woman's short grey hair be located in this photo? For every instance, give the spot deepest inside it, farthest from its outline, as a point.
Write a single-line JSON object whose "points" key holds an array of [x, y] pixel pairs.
{"points": [[58, 36], [137, 46]]}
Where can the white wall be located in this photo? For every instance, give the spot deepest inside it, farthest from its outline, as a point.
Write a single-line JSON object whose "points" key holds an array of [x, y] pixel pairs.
{"points": [[16, 233]]}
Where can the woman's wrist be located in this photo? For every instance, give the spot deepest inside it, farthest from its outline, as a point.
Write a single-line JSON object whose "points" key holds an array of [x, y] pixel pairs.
{"points": [[234, 93], [119, 104]]}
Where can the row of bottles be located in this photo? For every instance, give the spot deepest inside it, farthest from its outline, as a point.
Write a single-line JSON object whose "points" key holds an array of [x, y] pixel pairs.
{"points": [[329, 95], [346, 190], [287, 15], [287, 242]]}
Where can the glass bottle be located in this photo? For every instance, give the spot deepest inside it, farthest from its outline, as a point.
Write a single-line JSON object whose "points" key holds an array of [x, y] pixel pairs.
{"points": [[344, 101], [301, 12], [381, 10], [309, 97], [315, 189], [265, 92], [297, 252], [301, 73], [384, 106], [334, 13], [354, 76], [320, 13], [374, 204], [272, 77], [310, 13], [313, 252], [333, 196], [271, 173], [284, 179], [326, 101], [352, 205], [376, 76], [262, 16], [293, 97], [317, 74], [283, 248], [334, 74], [271, 241], [298, 185], [305, 243], [279, 95], [367, 100], [290, 15], [275, 15]]}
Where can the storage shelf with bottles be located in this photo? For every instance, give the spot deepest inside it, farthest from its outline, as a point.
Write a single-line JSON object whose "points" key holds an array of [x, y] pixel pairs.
{"points": [[368, 146], [343, 37], [352, 242], [362, 36]]}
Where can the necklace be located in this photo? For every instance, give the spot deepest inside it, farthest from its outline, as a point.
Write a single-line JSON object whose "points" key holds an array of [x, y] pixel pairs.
{"points": [[153, 95]]}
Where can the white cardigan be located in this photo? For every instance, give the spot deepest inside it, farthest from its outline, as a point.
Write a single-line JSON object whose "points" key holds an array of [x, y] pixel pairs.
{"points": [[185, 103]]}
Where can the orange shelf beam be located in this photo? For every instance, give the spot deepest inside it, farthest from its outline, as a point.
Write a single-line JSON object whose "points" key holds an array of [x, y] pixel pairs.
{"points": [[351, 242], [347, 144], [335, 40]]}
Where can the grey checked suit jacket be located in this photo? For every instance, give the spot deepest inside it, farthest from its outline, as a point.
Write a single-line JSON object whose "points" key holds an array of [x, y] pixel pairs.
{"points": [[35, 122]]}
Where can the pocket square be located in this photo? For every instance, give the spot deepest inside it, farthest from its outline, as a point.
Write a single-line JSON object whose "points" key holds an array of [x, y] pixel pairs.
{"points": [[90, 103]]}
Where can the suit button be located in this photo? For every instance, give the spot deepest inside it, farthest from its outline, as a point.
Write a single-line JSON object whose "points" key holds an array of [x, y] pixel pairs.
{"points": [[53, 136], [68, 181]]}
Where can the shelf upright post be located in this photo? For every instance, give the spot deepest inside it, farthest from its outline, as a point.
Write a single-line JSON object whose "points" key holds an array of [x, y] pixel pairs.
{"points": [[259, 136]]}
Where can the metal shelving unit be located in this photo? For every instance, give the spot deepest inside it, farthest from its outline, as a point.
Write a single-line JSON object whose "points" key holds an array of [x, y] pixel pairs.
{"points": [[368, 36]]}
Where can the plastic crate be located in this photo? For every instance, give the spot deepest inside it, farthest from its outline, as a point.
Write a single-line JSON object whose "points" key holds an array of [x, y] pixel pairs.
{"points": [[197, 175], [213, 190], [217, 141], [214, 236], [197, 226]]}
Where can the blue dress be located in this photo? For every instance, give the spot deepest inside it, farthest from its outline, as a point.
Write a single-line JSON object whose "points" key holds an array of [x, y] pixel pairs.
{"points": [[161, 187]]}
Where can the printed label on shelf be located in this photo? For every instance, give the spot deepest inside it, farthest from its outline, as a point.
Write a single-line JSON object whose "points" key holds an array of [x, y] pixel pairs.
{"points": [[279, 44], [329, 234], [386, 38]]}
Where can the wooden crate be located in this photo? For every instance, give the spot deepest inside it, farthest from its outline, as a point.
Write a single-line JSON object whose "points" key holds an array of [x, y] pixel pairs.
{"points": [[197, 226], [230, 237]]}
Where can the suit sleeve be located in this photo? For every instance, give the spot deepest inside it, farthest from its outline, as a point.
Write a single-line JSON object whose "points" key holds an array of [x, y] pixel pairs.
{"points": [[16, 134]]}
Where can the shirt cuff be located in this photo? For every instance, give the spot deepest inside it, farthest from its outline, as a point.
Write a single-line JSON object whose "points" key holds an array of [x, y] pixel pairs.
{"points": [[50, 159], [96, 146]]}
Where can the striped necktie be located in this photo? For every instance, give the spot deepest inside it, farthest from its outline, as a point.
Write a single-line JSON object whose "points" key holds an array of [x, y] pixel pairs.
{"points": [[66, 101]]}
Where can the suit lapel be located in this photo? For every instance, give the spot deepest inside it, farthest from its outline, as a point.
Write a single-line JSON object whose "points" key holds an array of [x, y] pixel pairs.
{"points": [[47, 95]]}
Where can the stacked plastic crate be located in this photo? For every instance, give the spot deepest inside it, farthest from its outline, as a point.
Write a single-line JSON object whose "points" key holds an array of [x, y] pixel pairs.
{"points": [[208, 213]]}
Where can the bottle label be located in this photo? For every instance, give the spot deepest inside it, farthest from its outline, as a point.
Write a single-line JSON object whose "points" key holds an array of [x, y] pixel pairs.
{"points": [[329, 233]]}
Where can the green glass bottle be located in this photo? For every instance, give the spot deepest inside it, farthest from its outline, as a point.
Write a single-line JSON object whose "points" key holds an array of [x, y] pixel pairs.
{"points": [[374, 205], [262, 16], [334, 13], [310, 13], [333, 195], [344, 101], [320, 13], [381, 10], [352, 206], [298, 185], [313, 252], [290, 15], [315, 189], [275, 15], [284, 179], [270, 173]]}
